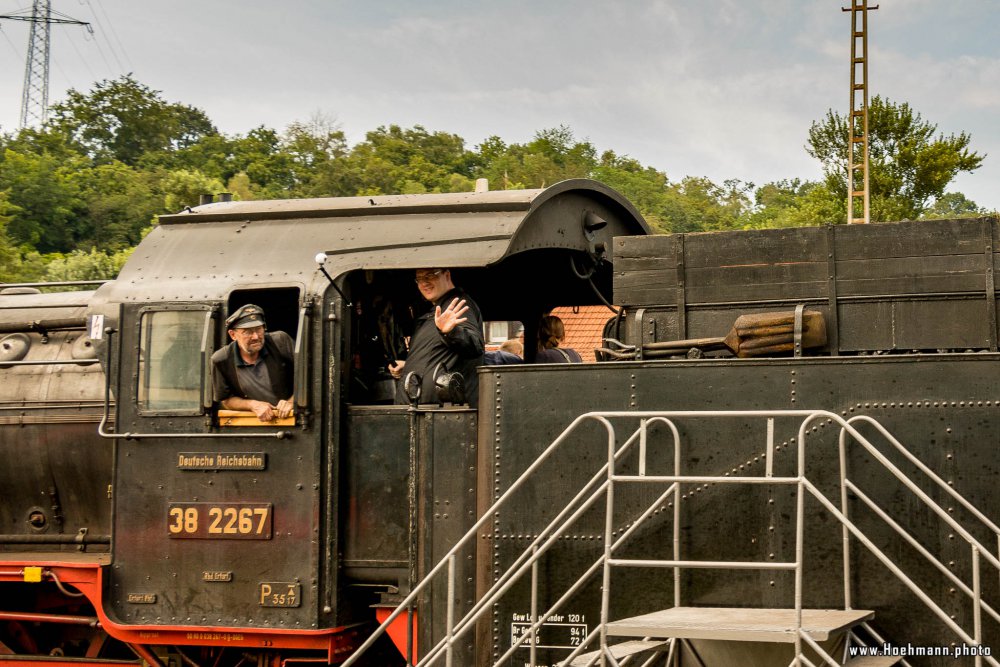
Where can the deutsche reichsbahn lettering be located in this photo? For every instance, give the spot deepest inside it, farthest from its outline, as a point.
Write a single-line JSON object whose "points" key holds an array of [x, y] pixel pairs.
{"points": [[221, 461]]}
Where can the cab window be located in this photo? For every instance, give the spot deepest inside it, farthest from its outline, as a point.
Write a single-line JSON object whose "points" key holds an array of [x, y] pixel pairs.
{"points": [[170, 361]]}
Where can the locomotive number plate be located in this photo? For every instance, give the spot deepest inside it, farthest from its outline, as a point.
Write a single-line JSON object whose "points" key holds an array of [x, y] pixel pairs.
{"points": [[217, 521]]}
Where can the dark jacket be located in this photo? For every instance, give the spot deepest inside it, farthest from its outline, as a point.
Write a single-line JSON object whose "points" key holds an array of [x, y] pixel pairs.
{"points": [[501, 358], [458, 351], [558, 355], [278, 359]]}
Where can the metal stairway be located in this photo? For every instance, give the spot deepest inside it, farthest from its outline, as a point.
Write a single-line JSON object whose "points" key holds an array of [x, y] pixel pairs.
{"points": [[665, 632], [662, 629]]}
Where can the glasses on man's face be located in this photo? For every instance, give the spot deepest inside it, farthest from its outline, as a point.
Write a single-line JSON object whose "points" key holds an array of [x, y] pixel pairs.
{"points": [[427, 278], [250, 332]]}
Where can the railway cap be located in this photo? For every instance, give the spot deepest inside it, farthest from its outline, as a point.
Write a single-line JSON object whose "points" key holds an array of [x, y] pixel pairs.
{"points": [[246, 317]]}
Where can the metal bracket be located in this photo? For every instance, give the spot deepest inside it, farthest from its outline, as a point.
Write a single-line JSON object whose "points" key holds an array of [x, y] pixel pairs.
{"points": [[799, 309], [681, 288], [833, 330], [640, 329], [991, 290]]}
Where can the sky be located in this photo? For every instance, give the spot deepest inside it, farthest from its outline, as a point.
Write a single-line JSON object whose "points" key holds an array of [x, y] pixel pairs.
{"points": [[717, 88]]}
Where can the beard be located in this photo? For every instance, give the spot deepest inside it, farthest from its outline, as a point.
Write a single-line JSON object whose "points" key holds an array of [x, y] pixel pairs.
{"points": [[251, 347]]}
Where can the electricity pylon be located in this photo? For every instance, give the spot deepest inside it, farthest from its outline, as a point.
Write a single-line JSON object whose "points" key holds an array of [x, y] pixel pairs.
{"points": [[858, 195], [35, 97]]}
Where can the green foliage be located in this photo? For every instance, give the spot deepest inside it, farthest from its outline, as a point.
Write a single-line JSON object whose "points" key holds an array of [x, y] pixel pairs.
{"points": [[910, 165], [120, 202], [10, 258], [553, 155], [45, 203], [78, 193], [954, 205], [395, 160], [125, 120], [93, 265], [183, 187], [794, 203]]}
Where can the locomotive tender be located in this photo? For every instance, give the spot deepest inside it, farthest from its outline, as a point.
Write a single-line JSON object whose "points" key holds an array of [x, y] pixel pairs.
{"points": [[142, 521]]}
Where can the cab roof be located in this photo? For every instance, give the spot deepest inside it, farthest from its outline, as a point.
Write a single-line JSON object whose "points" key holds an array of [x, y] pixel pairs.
{"points": [[206, 252]]}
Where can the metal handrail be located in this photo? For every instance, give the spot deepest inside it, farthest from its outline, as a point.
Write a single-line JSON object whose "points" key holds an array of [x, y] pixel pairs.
{"points": [[976, 638], [469, 536], [528, 560], [912, 541], [59, 283], [551, 534], [927, 500], [978, 551]]}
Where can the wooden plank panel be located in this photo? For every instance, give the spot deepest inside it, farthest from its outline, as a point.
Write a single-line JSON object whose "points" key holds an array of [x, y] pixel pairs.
{"points": [[913, 325], [926, 265], [910, 239], [763, 246], [954, 324], [645, 296], [865, 326], [629, 264], [904, 286], [790, 292], [753, 283], [666, 277], [752, 274], [659, 245]]}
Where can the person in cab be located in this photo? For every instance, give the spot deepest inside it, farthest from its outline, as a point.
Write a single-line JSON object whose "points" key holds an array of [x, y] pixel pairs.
{"points": [[448, 339], [254, 372]]}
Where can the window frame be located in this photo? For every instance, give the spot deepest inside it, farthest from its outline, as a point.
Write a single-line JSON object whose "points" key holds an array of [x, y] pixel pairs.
{"points": [[198, 407]]}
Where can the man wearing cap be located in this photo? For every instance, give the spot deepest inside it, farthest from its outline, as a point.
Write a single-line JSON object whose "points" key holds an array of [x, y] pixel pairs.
{"points": [[254, 372], [448, 338]]}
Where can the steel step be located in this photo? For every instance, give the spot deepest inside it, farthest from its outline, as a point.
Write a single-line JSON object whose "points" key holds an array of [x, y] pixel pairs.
{"points": [[623, 650], [738, 624], [872, 661]]}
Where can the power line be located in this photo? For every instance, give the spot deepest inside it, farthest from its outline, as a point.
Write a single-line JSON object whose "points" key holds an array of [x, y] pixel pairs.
{"points": [[82, 59], [114, 33], [101, 52], [12, 47]]}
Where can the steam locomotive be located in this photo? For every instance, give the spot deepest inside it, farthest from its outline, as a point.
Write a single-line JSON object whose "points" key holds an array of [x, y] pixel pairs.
{"points": [[144, 524]]}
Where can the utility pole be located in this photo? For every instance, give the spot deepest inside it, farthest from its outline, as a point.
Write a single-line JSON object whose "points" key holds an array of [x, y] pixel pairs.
{"points": [[35, 97], [858, 195]]}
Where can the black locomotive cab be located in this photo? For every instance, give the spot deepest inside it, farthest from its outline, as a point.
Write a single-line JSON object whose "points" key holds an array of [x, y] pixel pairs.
{"points": [[300, 525]]}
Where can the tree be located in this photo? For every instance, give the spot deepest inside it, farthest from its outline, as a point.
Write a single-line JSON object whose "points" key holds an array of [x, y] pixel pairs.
{"points": [[119, 204], [47, 208], [125, 120], [93, 265], [393, 160], [553, 155], [954, 205], [910, 165], [10, 258], [794, 203], [182, 188]]}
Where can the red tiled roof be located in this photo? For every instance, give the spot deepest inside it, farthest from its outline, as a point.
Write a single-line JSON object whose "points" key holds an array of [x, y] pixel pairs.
{"points": [[584, 328]]}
